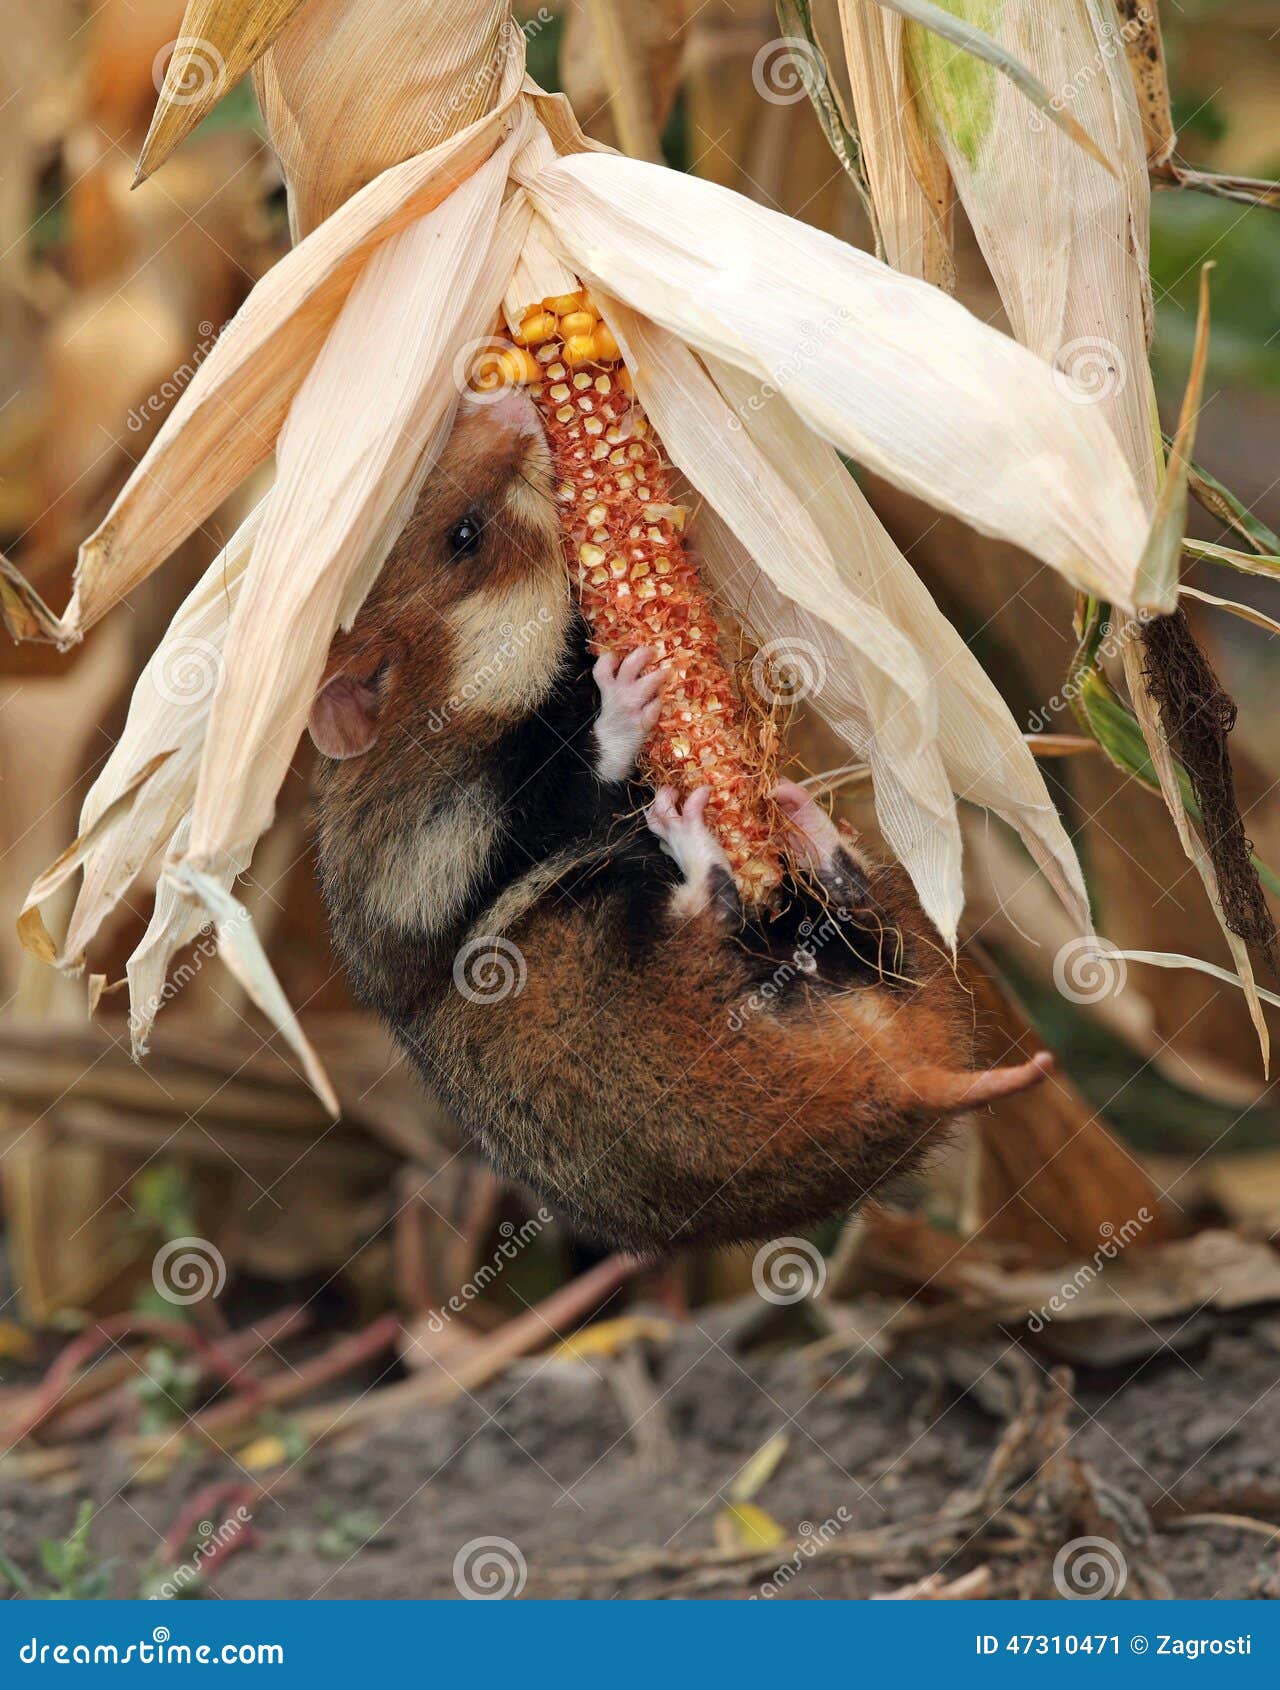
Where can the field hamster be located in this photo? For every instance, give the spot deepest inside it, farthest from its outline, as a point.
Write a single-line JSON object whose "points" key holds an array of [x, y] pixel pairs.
{"points": [[561, 952]]}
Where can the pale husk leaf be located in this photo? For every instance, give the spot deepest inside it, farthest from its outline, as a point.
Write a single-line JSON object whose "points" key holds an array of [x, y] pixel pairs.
{"points": [[227, 420], [884, 366], [169, 708], [986, 757], [31, 928], [909, 181], [241, 950], [373, 411], [349, 91], [1066, 240], [218, 42]]}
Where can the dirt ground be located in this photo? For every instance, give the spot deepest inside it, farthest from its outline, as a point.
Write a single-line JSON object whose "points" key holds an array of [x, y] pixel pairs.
{"points": [[574, 1463]]}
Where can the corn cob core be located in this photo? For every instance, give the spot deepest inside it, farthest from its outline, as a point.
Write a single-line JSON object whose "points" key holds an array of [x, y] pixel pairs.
{"points": [[635, 580]]}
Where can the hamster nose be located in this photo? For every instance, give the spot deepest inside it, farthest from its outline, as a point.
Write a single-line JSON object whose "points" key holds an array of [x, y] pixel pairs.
{"points": [[509, 411]]}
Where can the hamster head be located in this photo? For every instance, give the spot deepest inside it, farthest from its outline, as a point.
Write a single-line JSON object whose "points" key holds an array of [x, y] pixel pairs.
{"points": [[465, 624]]}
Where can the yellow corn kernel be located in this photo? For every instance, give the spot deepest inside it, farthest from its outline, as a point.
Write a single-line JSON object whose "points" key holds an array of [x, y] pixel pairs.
{"points": [[607, 350], [536, 328], [578, 350]]}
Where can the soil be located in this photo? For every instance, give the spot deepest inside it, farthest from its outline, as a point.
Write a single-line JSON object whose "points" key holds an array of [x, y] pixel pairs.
{"points": [[551, 1461]]}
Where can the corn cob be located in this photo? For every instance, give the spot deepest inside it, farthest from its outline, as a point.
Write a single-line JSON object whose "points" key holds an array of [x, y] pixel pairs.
{"points": [[635, 580]]}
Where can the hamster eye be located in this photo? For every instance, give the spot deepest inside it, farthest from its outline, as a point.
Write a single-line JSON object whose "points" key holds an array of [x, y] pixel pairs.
{"points": [[465, 536]]}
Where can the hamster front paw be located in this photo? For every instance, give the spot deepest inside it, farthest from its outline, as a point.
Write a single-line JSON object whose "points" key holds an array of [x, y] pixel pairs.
{"points": [[630, 703], [821, 845], [685, 836]]}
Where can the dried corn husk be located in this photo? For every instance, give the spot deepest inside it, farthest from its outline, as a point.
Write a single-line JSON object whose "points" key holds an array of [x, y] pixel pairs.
{"points": [[881, 367], [220, 40]]}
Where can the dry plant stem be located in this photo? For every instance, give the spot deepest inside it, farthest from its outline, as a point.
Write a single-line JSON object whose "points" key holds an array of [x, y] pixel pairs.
{"points": [[108, 1408], [1050, 1174], [223, 1494], [628, 97], [83, 1349], [522, 1336], [636, 580], [346, 1355]]}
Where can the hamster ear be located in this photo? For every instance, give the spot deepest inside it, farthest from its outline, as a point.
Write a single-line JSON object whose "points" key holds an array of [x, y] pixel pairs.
{"points": [[344, 718]]}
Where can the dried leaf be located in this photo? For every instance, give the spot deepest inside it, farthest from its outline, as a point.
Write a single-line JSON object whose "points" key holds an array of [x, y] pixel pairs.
{"points": [[218, 42], [743, 1526], [228, 418], [369, 421], [241, 950], [1245, 563], [1245, 612], [1169, 526], [612, 1337], [961, 33], [757, 1472], [901, 377], [1144, 45], [31, 928], [907, 176]]}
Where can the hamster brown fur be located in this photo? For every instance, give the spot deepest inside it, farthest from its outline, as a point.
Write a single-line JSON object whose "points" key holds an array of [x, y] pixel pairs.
{"points": [[597, 1013]]}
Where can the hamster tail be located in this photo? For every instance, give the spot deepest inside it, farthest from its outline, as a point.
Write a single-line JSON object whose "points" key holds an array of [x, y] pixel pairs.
{"points": [[947, 1091]]}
